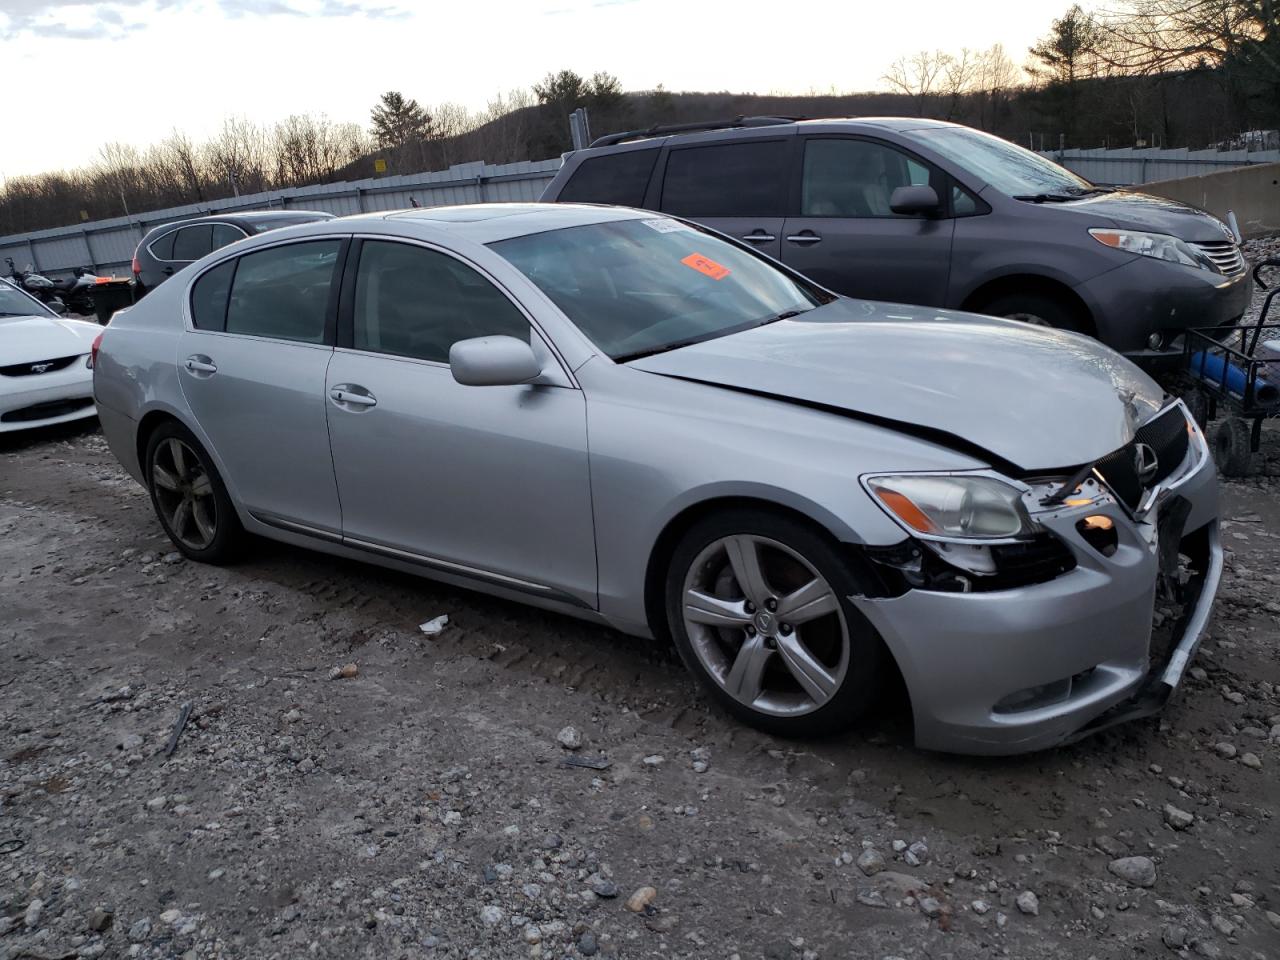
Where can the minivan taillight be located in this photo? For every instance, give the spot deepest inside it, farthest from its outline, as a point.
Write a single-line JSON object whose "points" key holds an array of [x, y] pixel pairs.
{"points": [[93, 350], [136, 266]]}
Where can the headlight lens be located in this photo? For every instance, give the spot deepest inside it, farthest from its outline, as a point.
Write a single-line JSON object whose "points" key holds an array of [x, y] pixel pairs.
{"points": [[966, 508], [1158, 245]]}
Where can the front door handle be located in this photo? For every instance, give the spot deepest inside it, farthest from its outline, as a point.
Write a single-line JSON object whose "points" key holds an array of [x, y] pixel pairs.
{"points": [[199, 363], [352, 395], [760, 237], [807, 236], [167, 271]]}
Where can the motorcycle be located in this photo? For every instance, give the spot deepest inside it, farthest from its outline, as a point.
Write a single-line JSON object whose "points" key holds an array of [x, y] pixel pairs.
{"points": [[75, 294]]}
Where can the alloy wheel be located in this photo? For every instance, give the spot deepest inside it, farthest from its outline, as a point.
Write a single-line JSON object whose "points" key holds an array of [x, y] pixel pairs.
{"points": [[184, 494], [765, 625]]}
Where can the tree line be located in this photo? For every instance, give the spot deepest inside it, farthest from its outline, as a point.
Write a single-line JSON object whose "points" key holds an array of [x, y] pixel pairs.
{"points": [[1150, 73]]}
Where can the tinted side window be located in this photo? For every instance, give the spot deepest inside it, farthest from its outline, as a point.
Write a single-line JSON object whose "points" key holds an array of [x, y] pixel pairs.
{"points": [[414, 302], [224, 234], [618, 178], [283, 292], [855, 178], [727, 180], [209, 297], [193, 242], [162, 247]]}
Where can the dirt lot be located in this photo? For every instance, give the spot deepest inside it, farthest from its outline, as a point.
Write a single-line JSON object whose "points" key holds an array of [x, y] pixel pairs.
{"points": [[421, 809]]}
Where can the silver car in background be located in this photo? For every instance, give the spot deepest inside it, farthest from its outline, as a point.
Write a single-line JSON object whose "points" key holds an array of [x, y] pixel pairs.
{"points": [[631, 419]]}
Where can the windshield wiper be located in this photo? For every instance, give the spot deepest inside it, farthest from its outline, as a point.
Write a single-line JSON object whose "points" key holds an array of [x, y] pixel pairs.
{"points": [[703, 337], [1061, 197]]}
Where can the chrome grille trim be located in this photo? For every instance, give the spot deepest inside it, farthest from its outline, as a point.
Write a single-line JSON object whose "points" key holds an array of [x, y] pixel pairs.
{"points": [[1226, 256]]}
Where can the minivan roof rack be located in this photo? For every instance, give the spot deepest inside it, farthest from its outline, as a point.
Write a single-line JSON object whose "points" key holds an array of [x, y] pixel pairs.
{"points": [[612, 138]]}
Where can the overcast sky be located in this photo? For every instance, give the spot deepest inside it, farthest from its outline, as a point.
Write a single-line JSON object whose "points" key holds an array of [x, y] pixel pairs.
{"points": [[78, 75]]}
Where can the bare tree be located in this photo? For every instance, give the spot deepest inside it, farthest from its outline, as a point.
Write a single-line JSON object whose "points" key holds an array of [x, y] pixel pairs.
{"points": [[995, 80], [919, 76]]}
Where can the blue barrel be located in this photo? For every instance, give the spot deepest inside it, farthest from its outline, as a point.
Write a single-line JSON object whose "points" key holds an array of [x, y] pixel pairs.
{"points": [[1209, 366]]}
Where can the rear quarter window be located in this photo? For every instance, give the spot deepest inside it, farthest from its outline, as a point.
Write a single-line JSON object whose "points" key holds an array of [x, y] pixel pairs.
{"points": [[162, 247], [618, 178]]}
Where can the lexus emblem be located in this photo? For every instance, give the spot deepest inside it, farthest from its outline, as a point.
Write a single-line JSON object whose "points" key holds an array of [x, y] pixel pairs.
{"points": [[40, 367], [1145, 462]]}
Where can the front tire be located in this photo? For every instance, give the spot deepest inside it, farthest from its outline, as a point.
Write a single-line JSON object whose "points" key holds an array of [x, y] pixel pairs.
{"points": [[758, 605], [189, 497], [1035, 309]]}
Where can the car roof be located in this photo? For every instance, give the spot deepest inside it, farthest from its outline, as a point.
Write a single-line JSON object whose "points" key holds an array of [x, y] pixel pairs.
{"points": [[245, 218], [712, 133], [487, 222]]}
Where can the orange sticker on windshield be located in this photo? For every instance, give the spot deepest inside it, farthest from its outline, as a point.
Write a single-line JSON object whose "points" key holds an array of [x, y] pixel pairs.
{"points": [[706, 265]]}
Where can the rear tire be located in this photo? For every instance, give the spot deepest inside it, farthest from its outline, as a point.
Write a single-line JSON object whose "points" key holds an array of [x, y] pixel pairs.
{"points": [[1035, 309], [800, 660], [189, 496], [1233, 447]]}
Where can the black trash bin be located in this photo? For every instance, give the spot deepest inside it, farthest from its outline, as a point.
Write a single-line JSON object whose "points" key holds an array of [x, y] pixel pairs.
{"points": [[110, 296]]}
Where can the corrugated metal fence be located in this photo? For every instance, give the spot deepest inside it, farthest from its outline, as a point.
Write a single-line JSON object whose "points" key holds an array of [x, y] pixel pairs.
{"points": [[106, 246], [1128, 166]]}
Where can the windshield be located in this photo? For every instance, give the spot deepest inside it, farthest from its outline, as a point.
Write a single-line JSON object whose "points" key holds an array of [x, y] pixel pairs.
{"points": [[637, 287], [14, 303], [1006, 166]]}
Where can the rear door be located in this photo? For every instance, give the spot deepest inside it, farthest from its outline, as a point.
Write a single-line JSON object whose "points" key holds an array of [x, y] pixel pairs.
{"points": [[844, 235], [489, 482], [252, 365], [738, 187]]}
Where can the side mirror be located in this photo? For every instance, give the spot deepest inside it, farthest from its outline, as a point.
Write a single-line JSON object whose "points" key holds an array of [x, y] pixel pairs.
{"points": [[909, 201], [493, 362]]}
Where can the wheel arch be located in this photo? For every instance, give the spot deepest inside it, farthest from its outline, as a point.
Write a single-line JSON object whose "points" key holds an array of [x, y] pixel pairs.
{"points": [[862, 568], [1035, 284]]}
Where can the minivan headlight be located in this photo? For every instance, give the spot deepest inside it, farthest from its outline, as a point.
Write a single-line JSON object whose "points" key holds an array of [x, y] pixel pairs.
{"points": [[1161, 246], [954, 507]]}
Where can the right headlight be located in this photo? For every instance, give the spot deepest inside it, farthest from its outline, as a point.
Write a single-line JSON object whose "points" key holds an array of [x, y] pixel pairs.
{"points": [[952, 507], [1161, 246]]}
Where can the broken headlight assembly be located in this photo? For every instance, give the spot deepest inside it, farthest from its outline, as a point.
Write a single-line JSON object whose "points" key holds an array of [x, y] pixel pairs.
{"points": [[967, 532]]}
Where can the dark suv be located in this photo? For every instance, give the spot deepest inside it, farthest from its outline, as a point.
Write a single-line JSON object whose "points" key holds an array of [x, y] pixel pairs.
{"points": [[932, 213], [167, 249]]}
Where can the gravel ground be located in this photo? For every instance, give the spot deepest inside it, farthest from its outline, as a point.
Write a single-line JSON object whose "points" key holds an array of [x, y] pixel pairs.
{"points": [[422, 808]]}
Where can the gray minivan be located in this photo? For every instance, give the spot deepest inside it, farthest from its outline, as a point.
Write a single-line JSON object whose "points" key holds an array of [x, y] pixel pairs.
{"points": [[932, 213]]}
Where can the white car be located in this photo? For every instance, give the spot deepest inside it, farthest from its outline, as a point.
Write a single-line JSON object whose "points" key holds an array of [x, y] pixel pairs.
{"points": [[45, 376]]}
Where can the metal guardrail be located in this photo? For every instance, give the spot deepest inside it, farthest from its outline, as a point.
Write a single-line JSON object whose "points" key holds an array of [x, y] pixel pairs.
{"points": [[106, 246]]}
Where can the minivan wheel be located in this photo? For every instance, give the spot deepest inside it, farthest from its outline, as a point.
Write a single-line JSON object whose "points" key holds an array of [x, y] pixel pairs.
{"points": [[1035, 309], [758, 607], [189, 496]]}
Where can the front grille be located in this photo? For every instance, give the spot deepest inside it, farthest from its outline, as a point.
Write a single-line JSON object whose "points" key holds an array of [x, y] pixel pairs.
{"points": [[46, 411], [1032, 561], [1225, 255], [37, 368], [1166, 435]]}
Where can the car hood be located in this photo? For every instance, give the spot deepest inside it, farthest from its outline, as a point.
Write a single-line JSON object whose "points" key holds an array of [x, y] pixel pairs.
{"points": [[1142, 211], [33, 339], [1036, 398]]}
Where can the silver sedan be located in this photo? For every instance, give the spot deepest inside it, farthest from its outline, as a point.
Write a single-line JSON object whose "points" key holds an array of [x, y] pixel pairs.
{"points": [[631, 419]]}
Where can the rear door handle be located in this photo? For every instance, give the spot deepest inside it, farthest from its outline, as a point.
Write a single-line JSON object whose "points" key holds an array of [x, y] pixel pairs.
{"points": [[200, 364], [352, 395], [807, 237], [761, 237], [167, 271]]}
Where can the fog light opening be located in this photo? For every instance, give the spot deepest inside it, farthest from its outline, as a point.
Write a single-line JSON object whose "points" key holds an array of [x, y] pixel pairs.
{"points": [[1032, 698], [1100, 533], [1155, 341]]}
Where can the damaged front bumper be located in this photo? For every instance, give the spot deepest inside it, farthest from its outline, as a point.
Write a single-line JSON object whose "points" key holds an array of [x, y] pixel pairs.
{"points": [[1015, 670]]}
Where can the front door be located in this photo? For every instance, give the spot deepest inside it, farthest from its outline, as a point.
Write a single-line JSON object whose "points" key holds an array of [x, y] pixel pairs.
{"points": [[252, 368], [847, 239], [490, 482]]}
